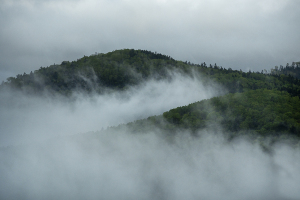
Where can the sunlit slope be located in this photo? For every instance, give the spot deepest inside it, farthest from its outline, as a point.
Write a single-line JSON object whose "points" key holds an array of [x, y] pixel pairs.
{"points": [[123, 68], [259, 112]]}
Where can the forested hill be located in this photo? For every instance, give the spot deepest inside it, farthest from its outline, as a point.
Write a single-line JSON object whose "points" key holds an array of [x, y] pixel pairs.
{"points": [[266, 103], [122, 68], [257, 113], [114, 70], [290, 70]]}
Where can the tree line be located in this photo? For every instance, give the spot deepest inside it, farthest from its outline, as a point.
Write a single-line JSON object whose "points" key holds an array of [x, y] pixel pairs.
{"points": [[123, 68], [255, 101]]}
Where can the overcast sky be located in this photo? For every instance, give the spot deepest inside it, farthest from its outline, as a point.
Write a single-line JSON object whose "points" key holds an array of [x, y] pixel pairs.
{"points": [[247, 34]]}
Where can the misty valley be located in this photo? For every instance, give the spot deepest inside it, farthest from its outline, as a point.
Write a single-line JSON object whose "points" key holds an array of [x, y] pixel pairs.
{"points": [[134, 124]]}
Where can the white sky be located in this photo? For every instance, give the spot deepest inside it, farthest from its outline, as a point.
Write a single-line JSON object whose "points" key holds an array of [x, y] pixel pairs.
{"points": [[241, 34]]}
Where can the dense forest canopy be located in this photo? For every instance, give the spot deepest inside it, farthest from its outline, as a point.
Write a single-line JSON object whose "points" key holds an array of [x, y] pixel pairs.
{"points": [[262, 112], [291, 70], [267, 103], [115, 70], [107, 124], [122, 68]]}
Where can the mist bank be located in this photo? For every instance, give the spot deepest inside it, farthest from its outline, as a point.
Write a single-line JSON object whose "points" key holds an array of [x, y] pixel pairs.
{"points": [[165, 136], [122, 165], [25, 118]]}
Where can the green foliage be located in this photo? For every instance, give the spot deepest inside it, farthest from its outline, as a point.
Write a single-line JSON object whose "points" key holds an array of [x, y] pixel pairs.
{"points": [[265, 103], [115, 70], [258, 113], [289, 70], [262, 110], [122, 68]]}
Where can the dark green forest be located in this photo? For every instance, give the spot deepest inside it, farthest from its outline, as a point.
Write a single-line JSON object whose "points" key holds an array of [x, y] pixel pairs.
{"points": [[122, 68], [260, 112], [291, 70], [257, 103]]}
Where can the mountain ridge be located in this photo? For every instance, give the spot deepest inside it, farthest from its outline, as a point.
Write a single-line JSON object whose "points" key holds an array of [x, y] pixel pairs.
{"points": [[121, 69]]}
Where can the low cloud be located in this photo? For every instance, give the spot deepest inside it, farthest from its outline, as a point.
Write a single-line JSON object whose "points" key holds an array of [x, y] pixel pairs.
{"points": [[24, 118], [46, 153], [146, 166]]}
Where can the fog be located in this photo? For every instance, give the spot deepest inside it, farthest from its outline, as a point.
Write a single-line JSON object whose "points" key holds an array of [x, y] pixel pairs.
{"points": [[46, 152], [145, 166], [24, 118]]}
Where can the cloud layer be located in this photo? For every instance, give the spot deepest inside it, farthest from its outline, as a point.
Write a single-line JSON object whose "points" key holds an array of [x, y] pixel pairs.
{"points": [[43, 156], [250, 34], [125, 166], [25, 118], [244, 35]]}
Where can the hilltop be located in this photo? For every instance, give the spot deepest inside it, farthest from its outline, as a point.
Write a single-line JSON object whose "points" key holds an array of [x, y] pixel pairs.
{"points": [[267, 104], [120, 69]]}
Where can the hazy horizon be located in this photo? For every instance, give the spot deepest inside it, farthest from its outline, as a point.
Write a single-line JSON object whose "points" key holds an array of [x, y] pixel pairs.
{"points": [[248, 35]]}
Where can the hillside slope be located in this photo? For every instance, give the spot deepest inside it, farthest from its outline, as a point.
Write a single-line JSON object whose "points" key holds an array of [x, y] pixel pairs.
{"points": [[262, 112], [265, 103], [120, 69]]}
